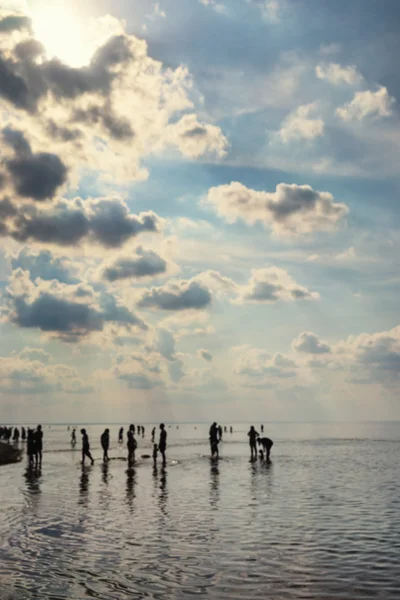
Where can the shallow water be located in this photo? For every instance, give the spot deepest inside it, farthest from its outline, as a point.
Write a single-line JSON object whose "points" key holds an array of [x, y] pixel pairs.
{"points": [[321, 521]]}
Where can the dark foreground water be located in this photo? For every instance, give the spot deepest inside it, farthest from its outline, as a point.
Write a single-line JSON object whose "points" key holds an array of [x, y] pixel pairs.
{"points": [[321, 521]]}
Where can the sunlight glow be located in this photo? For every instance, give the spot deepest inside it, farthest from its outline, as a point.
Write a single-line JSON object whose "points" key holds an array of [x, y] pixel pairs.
{"points": [[63, 34]]}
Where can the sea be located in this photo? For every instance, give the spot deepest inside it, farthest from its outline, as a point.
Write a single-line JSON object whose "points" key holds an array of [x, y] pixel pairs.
{"points": [[320, 521]]}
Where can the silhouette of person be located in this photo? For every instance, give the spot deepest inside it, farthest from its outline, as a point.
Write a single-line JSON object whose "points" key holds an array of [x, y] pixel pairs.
{"points": [[155, 453], [38, 435], [220, 432], [231, 429], [139, 427], [142, 431], [121, 435], [105, 443], [253, 435], [213, 433], [225, 429], [153, 434], [267, 444], [214, 449], [131, 444], [262, 428], [86, 447], [73, 437], [162, 444], [16, 435], [23, 434], [30, 447]]}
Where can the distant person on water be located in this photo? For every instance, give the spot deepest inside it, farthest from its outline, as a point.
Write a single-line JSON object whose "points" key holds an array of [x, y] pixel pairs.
{"points": [[139, 427], [142, 431], [131, 444], [23, 434], [121, 435], [38, 435], [231, 429], [86, 447], [16, 435], [73, 436], [162, 445], [262, 428], [213, 437], [267, 444], [153, 434], [105, 443], [253, 435], [220, 432], [30, 447]]}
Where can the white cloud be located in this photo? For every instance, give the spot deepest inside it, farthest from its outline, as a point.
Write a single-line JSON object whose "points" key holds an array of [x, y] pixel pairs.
{"points": [[300, 125], [272, 285], [349, 254], [217, 6], [309, 343], [367, 104], [256, 363], [291, 209], [338, 74]]}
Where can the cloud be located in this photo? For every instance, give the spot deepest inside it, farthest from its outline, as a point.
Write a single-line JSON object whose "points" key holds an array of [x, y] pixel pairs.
{"points": [[272, 285], [300, 125], [177, 295], [367, 104], [107, 114], [36, 176], [138, 371], [69, 312], [256, 363], [205, 354], [349, 254], [144, 263], [218, 7], [44, 265], [14, 23], [104, 221], [291, 209], [309, 343], [338, 74], [165, 344], [32, 372]]}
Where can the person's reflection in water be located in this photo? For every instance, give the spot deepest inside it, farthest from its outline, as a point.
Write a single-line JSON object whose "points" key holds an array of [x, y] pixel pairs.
{"points": [[84, 486], [104, 470], [214, 484], [32, 476], [163, 490], [130, 487]]}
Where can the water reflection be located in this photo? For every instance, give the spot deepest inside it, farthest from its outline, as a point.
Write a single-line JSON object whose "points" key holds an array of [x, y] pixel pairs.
{"points": [[32, 477], [214, 483], [130, 487], [163, 491], [104, 471], [84, 486]]}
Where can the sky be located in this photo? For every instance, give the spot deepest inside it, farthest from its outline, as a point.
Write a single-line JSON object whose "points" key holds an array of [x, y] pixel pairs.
{"points": [[199, 210]]}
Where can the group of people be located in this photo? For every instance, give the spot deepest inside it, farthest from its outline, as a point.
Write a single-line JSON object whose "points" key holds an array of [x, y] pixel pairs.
{"points": [[131, 443], [215, 436], [33, 438]]}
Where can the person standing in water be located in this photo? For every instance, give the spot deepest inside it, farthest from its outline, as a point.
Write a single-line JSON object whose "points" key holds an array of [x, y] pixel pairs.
{"points": [[23, 434], [220, 432], [153, 434], [121, 435], [131, 444], [30, 447], [38, 435], [73, 437], [213, 437], [86, 447], [105, 443], [162, 445], [262, 428], [253, 435]]}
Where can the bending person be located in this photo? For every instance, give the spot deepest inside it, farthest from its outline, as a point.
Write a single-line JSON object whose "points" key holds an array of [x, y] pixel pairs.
{"points": [[267, 444]]}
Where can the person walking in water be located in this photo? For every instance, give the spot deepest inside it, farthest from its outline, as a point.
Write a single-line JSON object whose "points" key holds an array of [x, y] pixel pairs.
{"points": [[253, 435], [131, 444], [86, 447], [121, 435], [30, 447], [38, 435], [105, 443], [162, 445], [73, 437], [267, 444]]}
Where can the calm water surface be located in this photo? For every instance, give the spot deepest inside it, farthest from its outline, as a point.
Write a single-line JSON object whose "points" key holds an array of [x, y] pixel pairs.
{"points": [[321, 521]]}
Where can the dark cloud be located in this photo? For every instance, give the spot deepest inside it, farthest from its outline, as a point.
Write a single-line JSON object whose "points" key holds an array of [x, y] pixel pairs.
{"points": [[139, 381], [29, 50], [206, 355], [145, 263], [107, 222], [182, 295], [118, 127], [14, 23], [118, 313], [44, 265], [36, 176]]}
